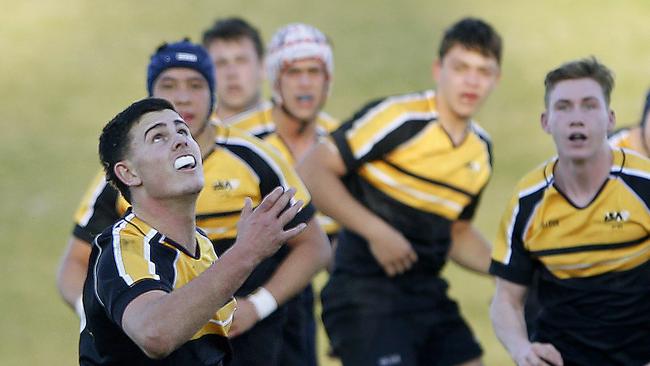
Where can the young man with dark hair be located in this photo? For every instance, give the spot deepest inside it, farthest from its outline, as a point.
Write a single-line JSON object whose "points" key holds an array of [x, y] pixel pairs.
{"points": [[237, 51], [235, 166], [581, 221], [404, 177], [156, 293], [636, 138]]}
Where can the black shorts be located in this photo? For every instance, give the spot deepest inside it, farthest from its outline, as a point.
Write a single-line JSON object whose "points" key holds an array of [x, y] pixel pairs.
{"points": [[262, 344], [395, 321], [299, 332]]}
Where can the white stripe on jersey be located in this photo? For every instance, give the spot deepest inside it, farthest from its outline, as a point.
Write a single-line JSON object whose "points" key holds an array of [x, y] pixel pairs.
{"points": [[117, 249], [91, 205], [146, 250]]}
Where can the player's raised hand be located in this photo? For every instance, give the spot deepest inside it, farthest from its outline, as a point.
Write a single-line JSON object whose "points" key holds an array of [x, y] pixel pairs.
{"points": [[261, 230], [393, 252], [539, 354]]}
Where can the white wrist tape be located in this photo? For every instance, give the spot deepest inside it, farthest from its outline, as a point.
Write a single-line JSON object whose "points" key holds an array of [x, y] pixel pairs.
{"points": [[263, 301]]}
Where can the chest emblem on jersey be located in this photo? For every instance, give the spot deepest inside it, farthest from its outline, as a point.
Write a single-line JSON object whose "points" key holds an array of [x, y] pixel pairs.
{"points": [[225, 185], [617, 216], [550, 223], [474, 166]]}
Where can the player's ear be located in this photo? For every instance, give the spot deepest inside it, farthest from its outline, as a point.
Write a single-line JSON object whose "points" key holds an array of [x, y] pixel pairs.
{"points": [[611, 123], [126, 174], [544, 122]]}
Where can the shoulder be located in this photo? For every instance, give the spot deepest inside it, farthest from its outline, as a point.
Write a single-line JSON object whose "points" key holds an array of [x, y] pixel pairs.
{"points": [[536, 180]]}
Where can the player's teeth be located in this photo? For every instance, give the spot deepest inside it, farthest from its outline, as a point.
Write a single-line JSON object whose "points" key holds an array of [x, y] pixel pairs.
{"points": [[184, 161]]}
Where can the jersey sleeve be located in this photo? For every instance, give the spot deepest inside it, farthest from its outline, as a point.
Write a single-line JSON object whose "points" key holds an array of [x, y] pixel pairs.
{"points": [[369, 134], [101, 206], [510, 259], [273, 171], [123, 272]]}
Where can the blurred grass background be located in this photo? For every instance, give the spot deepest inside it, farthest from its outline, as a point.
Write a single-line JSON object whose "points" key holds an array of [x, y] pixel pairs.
{"points": [[67, 66]]}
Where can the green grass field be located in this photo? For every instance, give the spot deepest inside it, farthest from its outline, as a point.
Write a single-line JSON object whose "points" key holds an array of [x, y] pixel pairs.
{"points": [[67, 66]]}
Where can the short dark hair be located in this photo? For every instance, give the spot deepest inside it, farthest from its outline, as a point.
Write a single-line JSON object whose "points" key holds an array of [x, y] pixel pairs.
{"points": [[114, 140], [588, 67], [474, 34], [233, 28]]}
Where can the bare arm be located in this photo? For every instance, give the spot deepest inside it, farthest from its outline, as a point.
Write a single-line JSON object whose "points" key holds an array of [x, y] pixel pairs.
{"points": [[160, 322], [507, 314], [310, 252], [469, 248], [321, 170], [72, 271]]}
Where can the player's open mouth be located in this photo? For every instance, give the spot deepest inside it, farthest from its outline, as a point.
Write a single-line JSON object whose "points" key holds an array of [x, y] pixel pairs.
{"points": [[576, 136], [305, 98], [184, 162]]}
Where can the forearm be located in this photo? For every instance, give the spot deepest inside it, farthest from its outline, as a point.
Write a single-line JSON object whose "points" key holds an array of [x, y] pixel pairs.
{"points": [[72, 271], [469, 248], [162, 325], [310, 252], [331, 197], [508, 321]]}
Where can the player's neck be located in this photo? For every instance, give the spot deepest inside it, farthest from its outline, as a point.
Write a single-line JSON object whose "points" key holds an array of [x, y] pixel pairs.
{"points": [[226, 114], [299, 136], [174, 218], [581, 180], [455, 125]]}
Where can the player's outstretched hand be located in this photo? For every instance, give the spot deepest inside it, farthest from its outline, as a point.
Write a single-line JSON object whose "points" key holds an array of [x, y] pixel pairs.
{"points": [[261, 231], [539, 354], [393, 252]]}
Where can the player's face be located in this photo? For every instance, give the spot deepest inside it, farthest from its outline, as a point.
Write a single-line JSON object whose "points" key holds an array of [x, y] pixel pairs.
{"points": [[303, 88], [188, 91], [464, 78], [239, 73], [164, 157], [578, 118]]}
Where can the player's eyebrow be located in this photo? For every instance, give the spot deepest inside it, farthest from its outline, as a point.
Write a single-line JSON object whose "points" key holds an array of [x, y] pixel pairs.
{"points": [[157, 125]]}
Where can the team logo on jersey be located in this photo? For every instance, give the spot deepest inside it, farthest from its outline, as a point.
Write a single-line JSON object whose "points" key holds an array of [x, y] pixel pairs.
{"points": [[550, 223], [474, 166], [225, 185], [617, 216]]}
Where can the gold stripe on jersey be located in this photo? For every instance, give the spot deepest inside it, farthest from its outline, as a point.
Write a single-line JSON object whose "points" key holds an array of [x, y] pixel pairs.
{"points": [[609, 235], [240, 166], [259, 121], [132, 242]]}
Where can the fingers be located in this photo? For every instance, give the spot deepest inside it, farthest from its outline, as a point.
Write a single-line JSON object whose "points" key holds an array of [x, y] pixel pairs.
{"points": [[290, 213], [294, 231], [547, 352], [270, 199], [282, 202]]}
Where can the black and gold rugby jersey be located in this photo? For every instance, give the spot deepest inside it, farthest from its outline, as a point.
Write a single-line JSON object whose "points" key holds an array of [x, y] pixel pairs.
{"points": [[259, 121], [131, 258], [240, 166], [593, 262], [243, 166], [403, 166], [329, 226]]}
